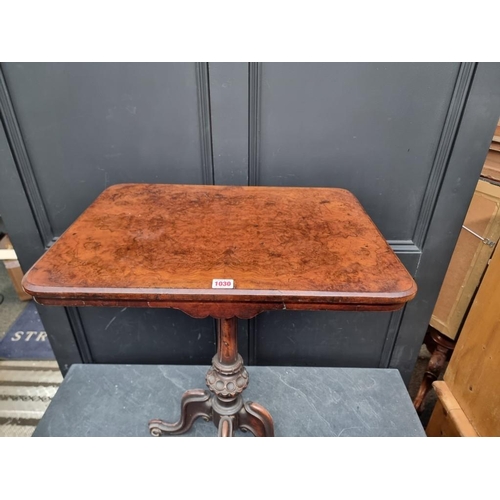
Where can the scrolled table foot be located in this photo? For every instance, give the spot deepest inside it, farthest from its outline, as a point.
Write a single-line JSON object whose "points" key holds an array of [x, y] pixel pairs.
{"points": [[195, 403], [255, 418]]}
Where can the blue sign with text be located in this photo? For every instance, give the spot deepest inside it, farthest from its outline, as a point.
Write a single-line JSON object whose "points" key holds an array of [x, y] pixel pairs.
{"points": [[26, 338]]}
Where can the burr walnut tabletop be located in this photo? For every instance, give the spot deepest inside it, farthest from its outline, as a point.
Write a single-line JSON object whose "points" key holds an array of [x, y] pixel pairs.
{"points": [[159, 245]]}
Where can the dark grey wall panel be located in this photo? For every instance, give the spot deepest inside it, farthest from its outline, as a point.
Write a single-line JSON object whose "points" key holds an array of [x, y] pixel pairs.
{"points": [[321, 338], [89, 126], [229, 111], [369, 128], [27, 240], [15, 209], [151, 335], [408, 139]]}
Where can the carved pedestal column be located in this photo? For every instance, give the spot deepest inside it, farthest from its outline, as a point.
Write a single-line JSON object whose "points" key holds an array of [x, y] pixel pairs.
{"points": [[226, 379]]}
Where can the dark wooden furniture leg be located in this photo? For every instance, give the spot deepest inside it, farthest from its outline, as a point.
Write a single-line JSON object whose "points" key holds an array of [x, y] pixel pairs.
{"points": [[227, 378], [441, 349]]}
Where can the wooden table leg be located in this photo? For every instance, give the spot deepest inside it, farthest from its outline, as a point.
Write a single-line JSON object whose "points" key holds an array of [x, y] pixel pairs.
{"points": [[194, 403], [227, 379], [441, 348]]}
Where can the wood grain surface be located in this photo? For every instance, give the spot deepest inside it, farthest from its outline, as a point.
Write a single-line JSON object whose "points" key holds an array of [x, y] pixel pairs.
{"points": [[448, 418], [159, 245], [469, 260], [473, 375]]}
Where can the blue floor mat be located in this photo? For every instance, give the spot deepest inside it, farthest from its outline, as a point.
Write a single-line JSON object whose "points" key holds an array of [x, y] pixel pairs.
{"points": [[26, 338]]}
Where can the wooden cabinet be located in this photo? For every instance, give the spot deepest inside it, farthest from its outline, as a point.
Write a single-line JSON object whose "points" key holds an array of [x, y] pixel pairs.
{"points": [[469, 397], [491, 168], [469, 260]]}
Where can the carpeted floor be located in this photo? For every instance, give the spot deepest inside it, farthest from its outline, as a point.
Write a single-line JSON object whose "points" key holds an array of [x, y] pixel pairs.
{"points": [[26, 387]]}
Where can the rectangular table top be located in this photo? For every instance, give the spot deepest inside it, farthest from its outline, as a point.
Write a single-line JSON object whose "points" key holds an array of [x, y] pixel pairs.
{"points": [[160, 245], [119, 400]]}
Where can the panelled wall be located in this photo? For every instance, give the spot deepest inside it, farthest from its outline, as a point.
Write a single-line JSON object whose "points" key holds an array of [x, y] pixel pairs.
{"points": [[408, 140]]}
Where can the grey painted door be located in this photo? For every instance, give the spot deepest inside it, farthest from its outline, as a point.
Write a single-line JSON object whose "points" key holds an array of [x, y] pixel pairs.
{"points": [[408, 139]]}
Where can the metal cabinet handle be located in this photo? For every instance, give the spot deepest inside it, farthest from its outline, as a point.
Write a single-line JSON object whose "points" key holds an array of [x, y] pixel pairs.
{"points": [[486, 241]]}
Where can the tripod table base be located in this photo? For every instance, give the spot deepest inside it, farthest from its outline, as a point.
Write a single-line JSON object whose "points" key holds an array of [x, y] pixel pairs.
{"points": [[227, 416]]}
